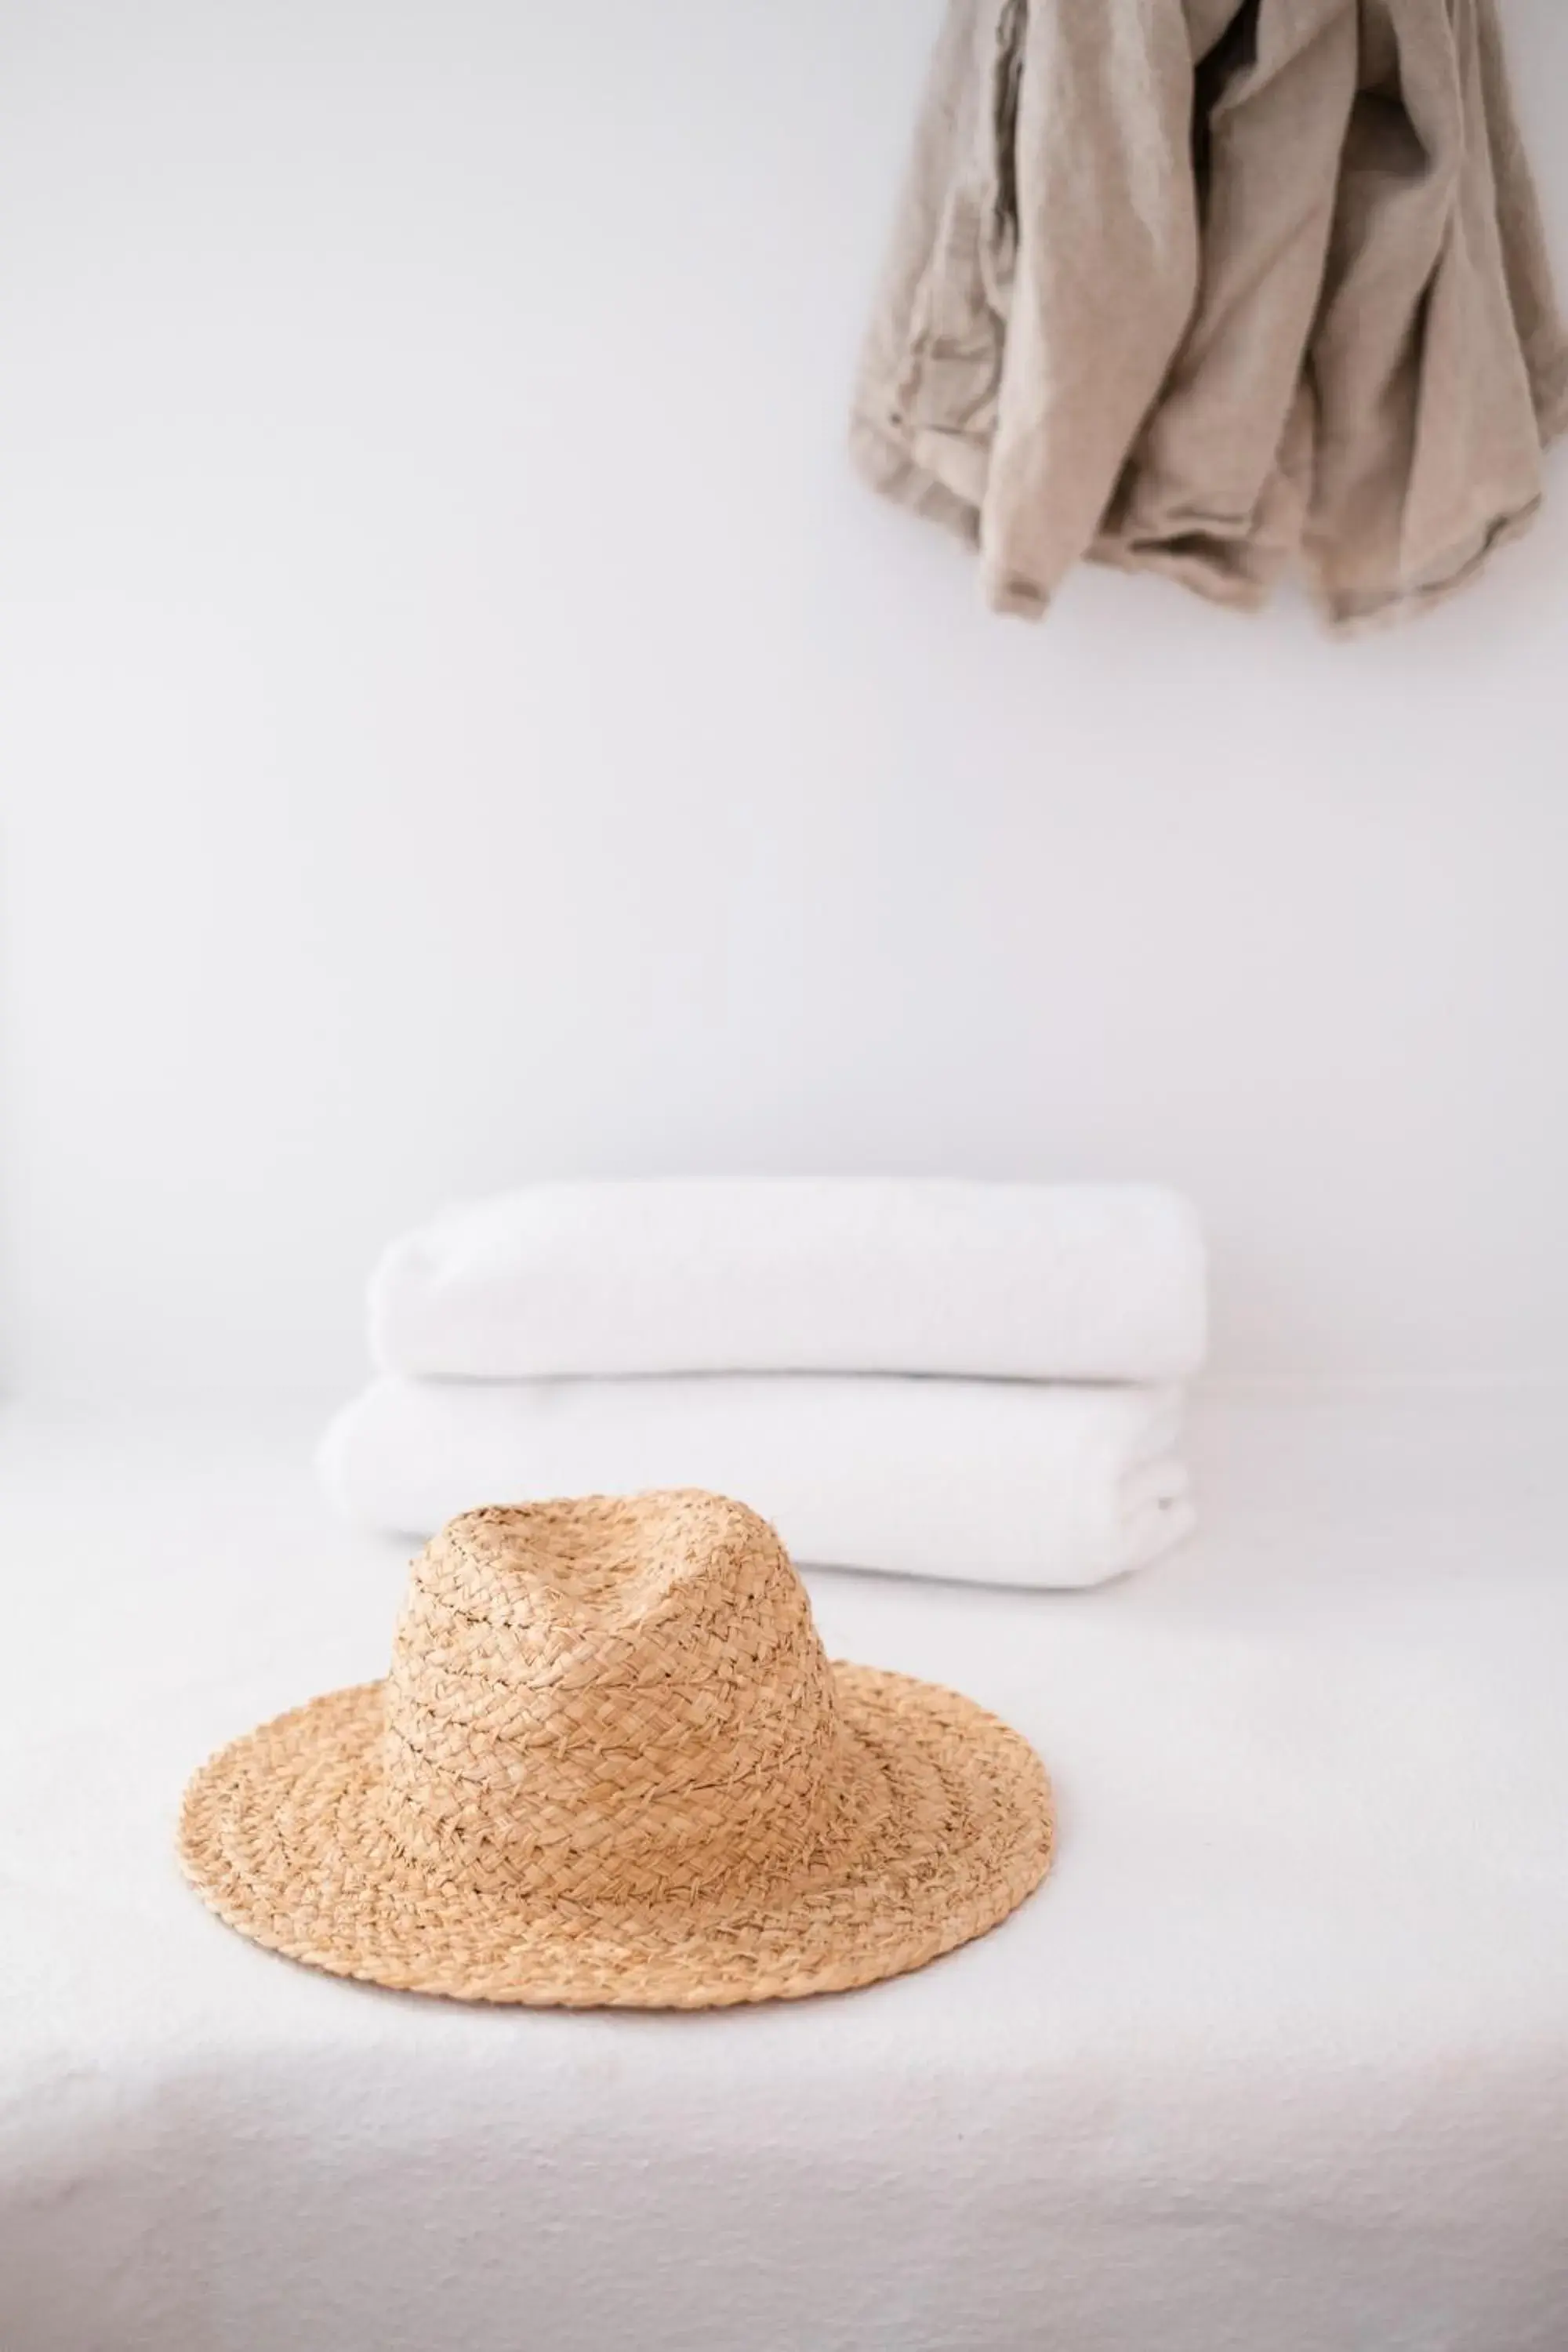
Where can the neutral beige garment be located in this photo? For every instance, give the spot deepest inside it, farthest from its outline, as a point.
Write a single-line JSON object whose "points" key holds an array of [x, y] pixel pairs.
{"points": [[926, 407], [1526, 261], [1201, 288], [1429, 443], [1216, 489], [1044, 266], [1104, 278]]}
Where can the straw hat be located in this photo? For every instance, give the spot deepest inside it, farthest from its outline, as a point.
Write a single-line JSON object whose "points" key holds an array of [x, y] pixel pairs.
{"points": [[612, 1765]]}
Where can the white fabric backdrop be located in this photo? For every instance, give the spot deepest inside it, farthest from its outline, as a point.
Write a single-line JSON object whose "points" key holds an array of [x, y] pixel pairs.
{"points": [[1278, 2058]]}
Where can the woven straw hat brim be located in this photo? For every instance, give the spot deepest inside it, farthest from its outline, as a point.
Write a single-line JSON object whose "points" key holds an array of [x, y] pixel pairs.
{"points": [[281, 1836]]}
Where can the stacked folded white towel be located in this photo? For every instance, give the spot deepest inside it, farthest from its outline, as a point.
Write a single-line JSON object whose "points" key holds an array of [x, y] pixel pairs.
{"points": [[926, 1377]]}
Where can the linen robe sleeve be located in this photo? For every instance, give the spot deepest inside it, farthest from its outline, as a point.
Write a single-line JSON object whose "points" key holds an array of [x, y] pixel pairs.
{"points": [[1105, 276], [925, 396]]}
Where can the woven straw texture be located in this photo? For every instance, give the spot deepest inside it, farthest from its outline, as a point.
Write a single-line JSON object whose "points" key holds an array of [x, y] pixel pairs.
{"points": [[612, 1766]]}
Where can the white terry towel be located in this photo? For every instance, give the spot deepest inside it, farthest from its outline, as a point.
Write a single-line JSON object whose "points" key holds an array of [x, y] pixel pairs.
{"points": [[1000, 1482], [1007, 1281]]}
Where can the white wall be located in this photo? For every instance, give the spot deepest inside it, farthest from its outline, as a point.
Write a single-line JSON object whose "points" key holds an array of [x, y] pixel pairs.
{"points": [[460, 719]]}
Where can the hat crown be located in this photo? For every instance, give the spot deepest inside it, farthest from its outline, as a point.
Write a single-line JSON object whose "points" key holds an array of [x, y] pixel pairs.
{"points": [[613, 1700]]}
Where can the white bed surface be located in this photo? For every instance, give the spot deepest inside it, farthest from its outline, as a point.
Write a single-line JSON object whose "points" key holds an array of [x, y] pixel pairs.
{"points": [[1277, 2061]]}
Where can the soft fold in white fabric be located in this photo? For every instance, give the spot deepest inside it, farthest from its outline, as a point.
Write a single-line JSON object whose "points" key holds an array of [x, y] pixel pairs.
{"points": [[1003, 1482], [1003, 1280]]}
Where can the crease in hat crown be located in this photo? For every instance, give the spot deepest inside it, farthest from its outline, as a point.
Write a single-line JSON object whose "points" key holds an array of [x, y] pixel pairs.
{"points": [[616, 1701]]}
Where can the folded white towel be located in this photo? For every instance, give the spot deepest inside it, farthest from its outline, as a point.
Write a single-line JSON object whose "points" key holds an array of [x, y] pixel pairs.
{"points": [[1022, 1281], [996, 1481]]}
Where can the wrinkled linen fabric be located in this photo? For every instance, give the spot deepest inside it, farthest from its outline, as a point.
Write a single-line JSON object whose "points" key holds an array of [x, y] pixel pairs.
{"points": [[1526, 260], [1044, 261], [1215, 490], [1429, 439], [1215, 289]]}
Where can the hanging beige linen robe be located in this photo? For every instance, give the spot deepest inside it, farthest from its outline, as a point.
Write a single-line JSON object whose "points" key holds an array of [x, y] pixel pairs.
{"points": [[1044, 266], [1429, 432], [1193, 288], [1215, 488]]}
